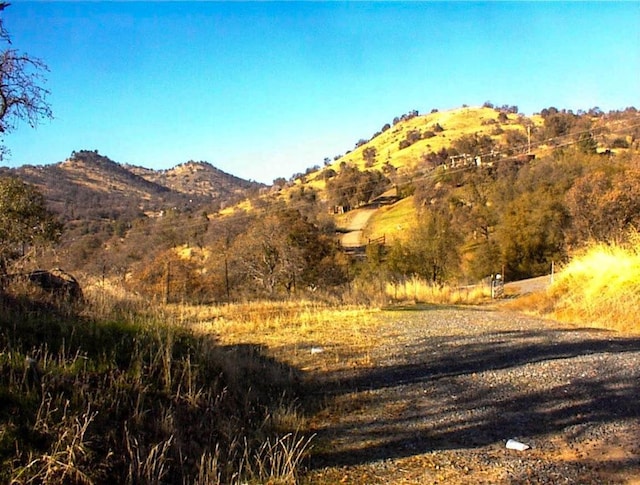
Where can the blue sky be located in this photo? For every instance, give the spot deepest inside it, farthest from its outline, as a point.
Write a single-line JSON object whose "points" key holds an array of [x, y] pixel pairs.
{"points": [[265, 90]]}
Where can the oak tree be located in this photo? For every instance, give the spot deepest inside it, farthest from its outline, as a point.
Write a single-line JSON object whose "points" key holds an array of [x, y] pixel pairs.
{"points": [[25, 221]]}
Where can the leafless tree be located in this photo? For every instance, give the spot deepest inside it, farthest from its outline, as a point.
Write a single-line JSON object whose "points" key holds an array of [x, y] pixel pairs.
{"points": [[22, 97]]}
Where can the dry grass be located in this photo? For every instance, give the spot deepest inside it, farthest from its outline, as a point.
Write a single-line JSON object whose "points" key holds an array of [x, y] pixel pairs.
{"points": [[419, 291], [600, 287], [292, 332], [391, 221], [126, 392], [456, 122]]}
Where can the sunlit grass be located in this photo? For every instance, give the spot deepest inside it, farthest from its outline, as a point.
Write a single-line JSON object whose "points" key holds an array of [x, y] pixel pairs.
{"points": [[133, 389], [420, 291], [290, 331], [602, 287], [599, 287], [391, 221]]}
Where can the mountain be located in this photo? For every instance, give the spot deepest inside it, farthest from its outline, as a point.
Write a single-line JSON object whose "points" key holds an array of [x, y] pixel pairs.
{"points": [[91, 186]]}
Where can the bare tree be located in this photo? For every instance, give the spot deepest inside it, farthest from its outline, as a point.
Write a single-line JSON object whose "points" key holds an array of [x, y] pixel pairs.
{"points": [[22, 97]]}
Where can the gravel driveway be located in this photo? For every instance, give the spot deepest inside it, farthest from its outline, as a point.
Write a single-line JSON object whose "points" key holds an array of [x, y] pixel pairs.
{"points": [[448, 387]]}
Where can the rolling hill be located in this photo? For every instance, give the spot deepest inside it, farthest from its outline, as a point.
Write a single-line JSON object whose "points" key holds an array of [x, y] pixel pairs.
{"points": [[91, 186], [111, 210], [414, 145]]}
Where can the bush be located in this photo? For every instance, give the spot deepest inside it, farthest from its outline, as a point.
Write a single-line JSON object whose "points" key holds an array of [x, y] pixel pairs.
{"points": [[620, 143]]}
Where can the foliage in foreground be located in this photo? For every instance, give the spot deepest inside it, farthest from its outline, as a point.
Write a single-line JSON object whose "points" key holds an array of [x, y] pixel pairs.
{"points": [[599, 287], [134, 397]]}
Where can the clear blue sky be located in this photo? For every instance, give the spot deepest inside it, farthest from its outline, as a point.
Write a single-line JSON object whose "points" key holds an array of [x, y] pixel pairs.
{"points": [[265, 90]]}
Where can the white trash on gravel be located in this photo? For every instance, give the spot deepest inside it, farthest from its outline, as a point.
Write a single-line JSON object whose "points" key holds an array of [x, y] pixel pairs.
{"points": [[516, 445]]}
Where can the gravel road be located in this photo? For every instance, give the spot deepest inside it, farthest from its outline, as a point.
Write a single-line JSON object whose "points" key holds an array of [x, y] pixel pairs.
{"points": [[447, 387]]}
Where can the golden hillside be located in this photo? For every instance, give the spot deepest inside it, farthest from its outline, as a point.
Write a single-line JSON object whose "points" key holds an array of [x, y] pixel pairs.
{"points": [[454, 123], [404, 147]]}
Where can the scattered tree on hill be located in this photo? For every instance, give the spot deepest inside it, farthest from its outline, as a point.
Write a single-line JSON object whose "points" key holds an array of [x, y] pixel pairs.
{"points": [[587, 143], [282, 253], [604, 205], [556, 123], [22, 97], [516, 141], [531, 234], [352, 187], [430, 251], [369, 155], [473, 145]]}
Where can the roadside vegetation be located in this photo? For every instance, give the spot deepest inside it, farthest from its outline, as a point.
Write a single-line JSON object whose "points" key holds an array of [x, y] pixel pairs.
{"points": [[186, 360], [599, 287], [124, 392]]}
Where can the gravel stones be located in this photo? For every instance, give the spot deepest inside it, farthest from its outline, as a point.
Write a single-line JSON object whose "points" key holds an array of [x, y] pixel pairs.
{"points": [[448, 387]]}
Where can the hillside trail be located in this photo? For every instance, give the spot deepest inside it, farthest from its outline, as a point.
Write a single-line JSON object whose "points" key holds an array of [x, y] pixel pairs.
{"points": [[353, 235], [438, 395]]}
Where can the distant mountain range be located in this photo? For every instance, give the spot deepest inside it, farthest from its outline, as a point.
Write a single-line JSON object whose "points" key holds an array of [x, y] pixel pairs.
{"points": [[89, 185]]}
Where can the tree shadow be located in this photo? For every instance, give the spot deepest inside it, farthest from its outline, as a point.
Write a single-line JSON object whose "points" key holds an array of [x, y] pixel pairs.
{"points": [[462, 392]]}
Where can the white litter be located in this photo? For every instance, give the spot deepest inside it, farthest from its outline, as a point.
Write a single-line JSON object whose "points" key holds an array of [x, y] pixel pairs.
{"points": [[316, 350], [516, 445]]}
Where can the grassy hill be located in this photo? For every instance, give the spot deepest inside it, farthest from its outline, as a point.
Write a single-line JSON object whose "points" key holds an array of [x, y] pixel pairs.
{"points": [[454, 123], [436, 131], [512, 134]]}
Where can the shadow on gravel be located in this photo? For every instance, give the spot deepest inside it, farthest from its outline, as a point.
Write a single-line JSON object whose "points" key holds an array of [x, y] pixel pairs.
{"points": [[481, 389]]}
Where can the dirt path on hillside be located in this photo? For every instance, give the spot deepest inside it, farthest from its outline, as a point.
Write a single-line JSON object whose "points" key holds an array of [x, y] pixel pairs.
{"points": [[439, 397], [353, 236]]}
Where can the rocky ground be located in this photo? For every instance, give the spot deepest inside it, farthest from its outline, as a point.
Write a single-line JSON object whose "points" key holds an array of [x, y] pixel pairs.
{"points": [[445, 388]]}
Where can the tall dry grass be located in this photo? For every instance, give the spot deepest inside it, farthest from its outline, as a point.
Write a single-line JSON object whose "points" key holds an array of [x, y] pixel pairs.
{"points": [[127, 392], [289, 331], [599, 287], [418, 290]]}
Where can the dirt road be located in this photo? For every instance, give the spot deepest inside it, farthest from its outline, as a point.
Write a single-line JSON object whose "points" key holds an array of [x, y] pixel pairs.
{"points": [[353, 236], [446, 388]]}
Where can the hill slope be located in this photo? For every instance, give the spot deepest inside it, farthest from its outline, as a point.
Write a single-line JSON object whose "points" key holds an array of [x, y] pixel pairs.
{"points": [[92, 186], [411, 148], [196, 178]]}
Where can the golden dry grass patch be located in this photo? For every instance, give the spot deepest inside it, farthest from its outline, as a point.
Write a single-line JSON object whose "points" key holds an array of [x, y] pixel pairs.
{"points": [[304, 334], [456, 123], [599, 287], [418, 290], [392, 221]]}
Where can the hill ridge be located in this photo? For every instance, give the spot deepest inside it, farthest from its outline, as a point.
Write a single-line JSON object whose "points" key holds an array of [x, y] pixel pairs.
{"points": [[93, 186]]}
